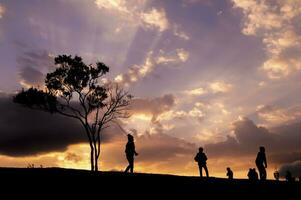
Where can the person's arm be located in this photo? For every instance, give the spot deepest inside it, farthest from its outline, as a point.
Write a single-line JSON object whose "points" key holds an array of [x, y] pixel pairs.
{"points": [[136, 154], [265, 161], [196, 159]]}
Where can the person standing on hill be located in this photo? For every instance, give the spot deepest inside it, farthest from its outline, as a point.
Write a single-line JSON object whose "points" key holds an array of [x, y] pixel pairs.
{"points": [[130, 153], [201, 159], [261, 163]]}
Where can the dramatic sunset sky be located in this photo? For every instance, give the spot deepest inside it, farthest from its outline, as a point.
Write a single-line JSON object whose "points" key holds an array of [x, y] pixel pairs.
{"points": [[223, 74]]}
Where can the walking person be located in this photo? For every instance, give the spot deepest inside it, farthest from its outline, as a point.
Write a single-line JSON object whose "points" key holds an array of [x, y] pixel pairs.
{"points": [[130, 152]]}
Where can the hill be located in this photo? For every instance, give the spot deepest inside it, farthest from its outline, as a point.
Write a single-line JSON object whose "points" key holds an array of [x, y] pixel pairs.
{"points": [[60, 181]]}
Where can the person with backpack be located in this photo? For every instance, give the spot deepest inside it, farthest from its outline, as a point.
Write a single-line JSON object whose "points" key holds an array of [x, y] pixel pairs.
{"points": [[201, 159]]}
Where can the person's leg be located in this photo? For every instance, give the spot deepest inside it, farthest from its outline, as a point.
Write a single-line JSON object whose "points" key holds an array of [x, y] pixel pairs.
{"points": [[206, 170], [127, 169], [264, 174], [129, 165], [132, 165], [259, 171], [200, 169]]}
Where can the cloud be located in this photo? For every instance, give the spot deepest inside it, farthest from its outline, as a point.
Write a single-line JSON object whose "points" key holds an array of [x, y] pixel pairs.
{"points": [[196, 92], [33, 64], [294, 168], [182, 54], [151, 62], [154, 106], [2, 11], [155, 18], [281, 142], [180, 33], [278, 31], [210, 88], [29, 132], [118, 5], [31, 77], [136, 14], [72, 157], [247, 138], [133, 11], [285, 157], [272, 115], [220, 87], [161, 147]]}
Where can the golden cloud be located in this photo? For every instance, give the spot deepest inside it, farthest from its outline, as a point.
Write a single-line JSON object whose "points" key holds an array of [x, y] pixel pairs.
{"points": [[196, 92], [275, 23], [138, 72], [155, 18], [220, 87], [275, 116], [135, 14], [133, 11]]}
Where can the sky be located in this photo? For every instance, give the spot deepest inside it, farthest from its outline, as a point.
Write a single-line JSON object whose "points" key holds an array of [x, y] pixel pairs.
{"points": [[222, 74]]}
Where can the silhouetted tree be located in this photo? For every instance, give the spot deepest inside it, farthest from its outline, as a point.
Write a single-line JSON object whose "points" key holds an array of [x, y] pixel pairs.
{"points": [[74, 90]]}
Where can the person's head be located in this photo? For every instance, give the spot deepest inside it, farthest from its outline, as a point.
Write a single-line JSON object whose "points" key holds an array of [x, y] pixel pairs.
{"points": [[228, 169], [262, 149], [130, 138], [201, 149]]}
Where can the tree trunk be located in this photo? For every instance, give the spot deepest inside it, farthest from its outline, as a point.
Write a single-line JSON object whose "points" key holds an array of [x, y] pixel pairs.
{"points": [[95, 157], [92, 158]]}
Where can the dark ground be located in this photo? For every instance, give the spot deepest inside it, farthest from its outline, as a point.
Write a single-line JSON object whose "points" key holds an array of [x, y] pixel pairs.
{"points": [[49, 183]]}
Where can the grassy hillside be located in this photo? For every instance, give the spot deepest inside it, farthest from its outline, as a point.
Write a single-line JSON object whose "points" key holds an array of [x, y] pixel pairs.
{"points": [[68, 181]]}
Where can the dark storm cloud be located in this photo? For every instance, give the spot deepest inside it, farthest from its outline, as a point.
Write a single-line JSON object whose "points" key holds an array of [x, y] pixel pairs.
{"points": [[282, 144], [286, 157], [31, 76], [294, 168], [162, 147], [24, 131]]}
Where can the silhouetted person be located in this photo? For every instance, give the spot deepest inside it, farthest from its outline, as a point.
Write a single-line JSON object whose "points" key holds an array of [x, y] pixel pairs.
{"points": [[289, 177], [261, 163], [229, 173], [201, 159], [130, 153], [276, 175], [252, 174]]}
